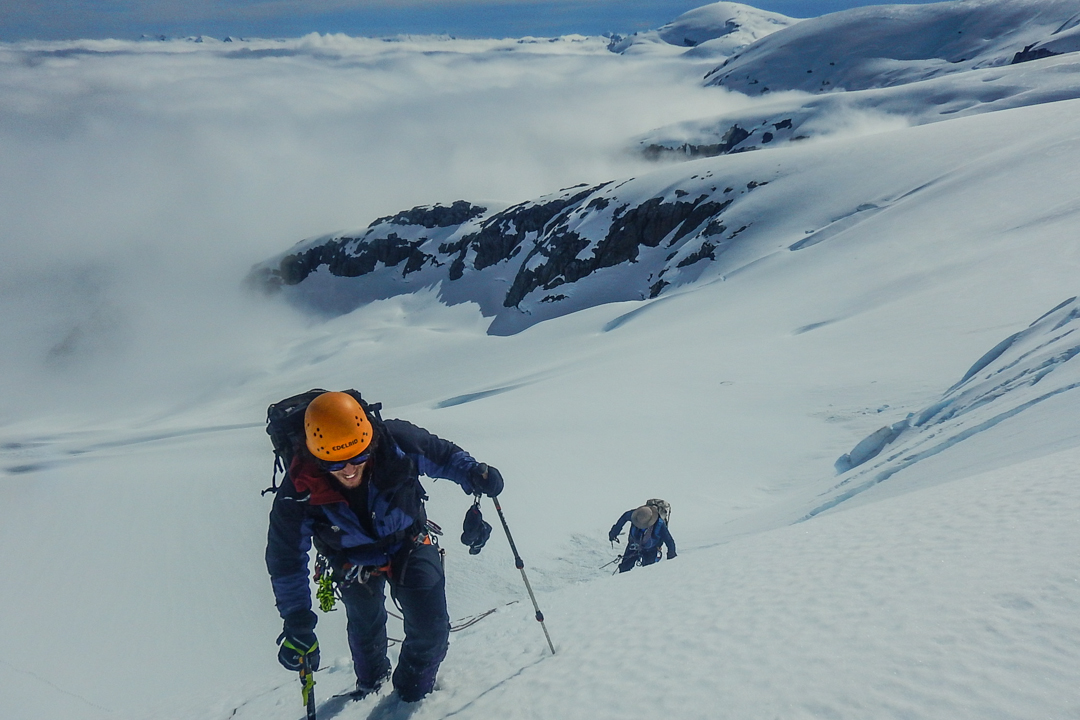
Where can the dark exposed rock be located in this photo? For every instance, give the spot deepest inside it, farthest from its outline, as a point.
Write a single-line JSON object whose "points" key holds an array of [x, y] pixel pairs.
{"points": [[705, 251], [728, 144], [434, 216], [505, 232], [501, 235], [562, 266], [390, 251], [295, 268], [715, 227], [644, 225], [1027, 54], [541, 249]]}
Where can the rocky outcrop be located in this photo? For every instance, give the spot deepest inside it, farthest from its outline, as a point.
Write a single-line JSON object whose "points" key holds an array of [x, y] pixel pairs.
{"points": [[579, 247], [1030, 53], [437, 216]]}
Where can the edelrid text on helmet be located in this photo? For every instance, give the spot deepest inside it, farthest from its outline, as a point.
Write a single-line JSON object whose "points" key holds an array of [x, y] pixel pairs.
{"points": [[336, 427]]}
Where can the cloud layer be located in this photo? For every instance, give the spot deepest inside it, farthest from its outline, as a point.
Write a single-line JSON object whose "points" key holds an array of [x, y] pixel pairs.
{"points": [[141, 180]]}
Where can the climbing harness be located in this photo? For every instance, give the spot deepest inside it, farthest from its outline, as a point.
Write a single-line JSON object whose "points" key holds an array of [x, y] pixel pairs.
{"points": [[328, 583]]}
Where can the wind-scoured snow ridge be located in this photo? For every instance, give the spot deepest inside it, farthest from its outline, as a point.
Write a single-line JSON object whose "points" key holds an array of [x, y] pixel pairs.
{"points": [[888, 45], [717, 30], [1019, 373], [792, 118], [899, 88], [579, 247]]}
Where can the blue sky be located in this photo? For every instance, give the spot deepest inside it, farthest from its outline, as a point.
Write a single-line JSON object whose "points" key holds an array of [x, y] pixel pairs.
{"points": [[68, 19]]}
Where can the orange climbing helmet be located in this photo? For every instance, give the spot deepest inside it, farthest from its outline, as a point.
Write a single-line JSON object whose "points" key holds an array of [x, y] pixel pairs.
{"points": [[336, 427]]}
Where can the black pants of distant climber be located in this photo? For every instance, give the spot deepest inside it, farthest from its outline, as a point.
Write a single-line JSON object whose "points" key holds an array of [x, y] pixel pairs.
{"points": [[419, 587], [647, 557]]}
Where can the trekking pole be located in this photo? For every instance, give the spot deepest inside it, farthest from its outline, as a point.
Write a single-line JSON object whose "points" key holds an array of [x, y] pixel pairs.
{"points": [[307, 687], [521, 566]]}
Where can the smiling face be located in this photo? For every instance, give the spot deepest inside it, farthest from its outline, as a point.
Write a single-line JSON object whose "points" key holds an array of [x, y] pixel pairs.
{"points": [[351, 475]]}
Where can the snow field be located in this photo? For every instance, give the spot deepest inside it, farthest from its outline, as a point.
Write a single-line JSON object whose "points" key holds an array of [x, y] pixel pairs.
{"points": [[958, 601], [133, 581]]}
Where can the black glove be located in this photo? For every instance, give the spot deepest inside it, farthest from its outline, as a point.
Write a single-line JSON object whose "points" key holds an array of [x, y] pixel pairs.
{"points": [[475, 531], [486, 479], [671, 555], [298, 642], [613, 537]]}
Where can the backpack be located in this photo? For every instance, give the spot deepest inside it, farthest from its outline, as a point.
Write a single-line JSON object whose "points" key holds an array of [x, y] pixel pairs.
{"points": [[285, 426], [663, 507]]}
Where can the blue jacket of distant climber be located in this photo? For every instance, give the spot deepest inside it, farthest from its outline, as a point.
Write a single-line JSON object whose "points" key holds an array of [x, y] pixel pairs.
{"points": [[645, 540]]}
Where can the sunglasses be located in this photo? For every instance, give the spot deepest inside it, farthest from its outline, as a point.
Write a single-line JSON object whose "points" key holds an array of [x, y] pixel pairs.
{"points": [[340, 465]]}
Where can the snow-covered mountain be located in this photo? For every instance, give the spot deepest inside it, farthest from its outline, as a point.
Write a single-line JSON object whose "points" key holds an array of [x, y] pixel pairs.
{"points": [[896, 64], [792, 117], [637, 238], [717, 30], [892, 292], [881, 46]]}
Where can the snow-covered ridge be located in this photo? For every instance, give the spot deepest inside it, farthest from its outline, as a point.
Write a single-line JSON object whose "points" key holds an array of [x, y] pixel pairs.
{"points": [[792, 117], [577, 248], [1019, 373], [899, 65], [881, 46]]}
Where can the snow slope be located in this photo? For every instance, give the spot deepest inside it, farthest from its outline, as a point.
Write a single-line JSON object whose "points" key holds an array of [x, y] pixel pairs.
{"points": [[881, 67], [792, 117], [1018, 374], [921, 272], [886, 45]]}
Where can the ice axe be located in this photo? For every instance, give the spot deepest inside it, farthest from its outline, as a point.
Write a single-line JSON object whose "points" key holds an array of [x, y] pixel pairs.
{"points": [[307, 687]]}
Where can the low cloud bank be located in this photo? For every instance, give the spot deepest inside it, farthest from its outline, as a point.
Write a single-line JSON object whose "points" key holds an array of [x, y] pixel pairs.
{"points": [[141, 181]]}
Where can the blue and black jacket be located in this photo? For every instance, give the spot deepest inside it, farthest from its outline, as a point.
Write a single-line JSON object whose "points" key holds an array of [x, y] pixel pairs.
{"points": [[310, 507], [647, 539]]}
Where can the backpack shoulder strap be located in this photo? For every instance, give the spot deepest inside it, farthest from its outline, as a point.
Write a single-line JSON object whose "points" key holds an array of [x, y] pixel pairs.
{"points": [[285, 426]]}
